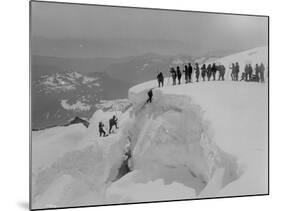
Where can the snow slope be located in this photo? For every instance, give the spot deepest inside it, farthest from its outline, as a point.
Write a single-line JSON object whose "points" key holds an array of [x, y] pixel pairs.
{"points": [[72, 165], [228, 120], [194, 140], [252, 56]]}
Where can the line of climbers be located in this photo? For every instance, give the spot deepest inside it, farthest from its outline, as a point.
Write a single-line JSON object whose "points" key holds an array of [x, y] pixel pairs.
{"points": [[206, 73], [211, 71], [112, 122]]}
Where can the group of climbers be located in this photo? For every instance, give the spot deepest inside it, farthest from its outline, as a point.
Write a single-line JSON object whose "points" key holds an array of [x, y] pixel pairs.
{"points": [[112, 122], [177, 74], [251, 74], [211, 71], [206, 73]]}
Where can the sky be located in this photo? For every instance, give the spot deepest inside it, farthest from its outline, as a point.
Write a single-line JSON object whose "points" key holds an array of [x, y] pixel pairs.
{"points": [[200, 32]]}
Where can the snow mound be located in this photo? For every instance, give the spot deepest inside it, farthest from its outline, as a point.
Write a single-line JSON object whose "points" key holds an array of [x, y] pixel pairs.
{"points": [[71, 166], [170, 140]]}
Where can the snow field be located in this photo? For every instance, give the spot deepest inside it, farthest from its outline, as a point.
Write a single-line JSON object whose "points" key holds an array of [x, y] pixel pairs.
{"points": [[194, 140]]}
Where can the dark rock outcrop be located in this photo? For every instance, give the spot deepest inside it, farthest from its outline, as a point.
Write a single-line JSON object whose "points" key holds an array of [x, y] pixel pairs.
{"points": [[78, 120]]}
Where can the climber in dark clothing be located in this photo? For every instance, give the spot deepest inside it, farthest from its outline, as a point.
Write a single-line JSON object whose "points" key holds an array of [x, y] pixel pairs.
{"points": [[209, 71], [113, 122], [203, 71], [150, 94], [214, 70], [101, 130], [221, 69], [232, 72], [246, 73], [174, 75], [185, 73], [189, 72], [160, 79], [197, 72], [236, 71], [262, 69], [250, 71], [257, 72], [179, 74]]}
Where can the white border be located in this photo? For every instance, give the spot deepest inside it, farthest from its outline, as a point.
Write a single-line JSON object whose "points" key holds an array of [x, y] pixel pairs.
{"points": [[15, 97]]}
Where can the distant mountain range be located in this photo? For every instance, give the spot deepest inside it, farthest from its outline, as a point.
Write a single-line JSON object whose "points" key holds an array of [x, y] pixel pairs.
{"points": [[59, 97], [131, 70]]}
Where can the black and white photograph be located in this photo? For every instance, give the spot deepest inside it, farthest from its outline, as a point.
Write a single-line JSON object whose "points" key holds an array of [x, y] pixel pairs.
{"points": [[134, 105]]}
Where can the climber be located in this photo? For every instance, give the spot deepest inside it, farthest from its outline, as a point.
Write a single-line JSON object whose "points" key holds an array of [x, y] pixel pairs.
{"points": [[101, 130], [209, 71], [203, 71], [250, 72], [189, 72], [257, 72], [214, 70], [221, 70], [197, 71], [262, 69], [160, 79], [113, 122], [232, 72], [237, 70], [150, 94], [179, 74], [185, 73], [174, 75]]}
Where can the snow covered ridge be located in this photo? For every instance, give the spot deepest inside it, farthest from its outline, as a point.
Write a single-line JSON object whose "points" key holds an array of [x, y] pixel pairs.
{"points": [[192, 141], [251, 56]]}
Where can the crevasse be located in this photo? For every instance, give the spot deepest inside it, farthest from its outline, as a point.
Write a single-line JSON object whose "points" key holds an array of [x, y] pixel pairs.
{"points": [[171, 140]]}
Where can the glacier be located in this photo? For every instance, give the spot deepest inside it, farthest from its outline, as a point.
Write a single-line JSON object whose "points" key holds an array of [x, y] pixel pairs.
{"points": [[192, 141]]}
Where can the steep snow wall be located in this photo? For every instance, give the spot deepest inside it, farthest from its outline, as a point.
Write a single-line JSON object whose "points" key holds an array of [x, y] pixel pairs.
{"points": [[172, 143], [219, 127]]}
